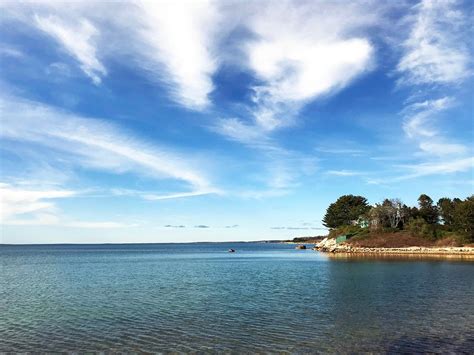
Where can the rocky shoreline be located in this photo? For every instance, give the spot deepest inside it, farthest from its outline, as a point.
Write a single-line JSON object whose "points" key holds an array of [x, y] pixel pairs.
{"points": [[329, 246]]}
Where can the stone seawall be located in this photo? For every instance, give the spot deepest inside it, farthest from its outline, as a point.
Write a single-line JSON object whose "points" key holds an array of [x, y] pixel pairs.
{"points": [[330, 246], [408, 250]]}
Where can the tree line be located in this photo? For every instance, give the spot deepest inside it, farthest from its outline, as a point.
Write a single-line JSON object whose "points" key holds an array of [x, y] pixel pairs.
{"points": [[428, 219]]}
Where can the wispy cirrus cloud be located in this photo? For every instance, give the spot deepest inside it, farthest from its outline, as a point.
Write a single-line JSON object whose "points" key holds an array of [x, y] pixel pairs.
{"points": [[442, 149], [10, 51], [419, 116], [95, 144], [77, 39], [342, 151], [20, 200], [436, 50], [434, 54], [420, 125], [344, 173], [281, 167], [32, 205], [437, 168], [70, 142], [157, 197]]}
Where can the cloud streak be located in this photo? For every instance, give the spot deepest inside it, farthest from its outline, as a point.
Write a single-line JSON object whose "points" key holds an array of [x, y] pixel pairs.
{"points": [[437, 168], [344, 173], [37, 206], [95, 144], [77, 39], [18, 201]]}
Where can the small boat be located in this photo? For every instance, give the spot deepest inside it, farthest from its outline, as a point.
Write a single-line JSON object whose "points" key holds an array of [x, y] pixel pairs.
{"points": [[301, 247], [231, 250]]}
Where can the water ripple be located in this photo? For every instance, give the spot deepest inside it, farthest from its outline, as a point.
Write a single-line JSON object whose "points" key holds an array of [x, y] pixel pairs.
{"points": [[197, 298]]}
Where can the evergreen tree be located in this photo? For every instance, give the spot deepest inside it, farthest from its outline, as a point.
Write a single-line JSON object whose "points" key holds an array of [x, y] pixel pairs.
{"points": [[346, 209], [427, 210], [463, 220], [446, 208]]}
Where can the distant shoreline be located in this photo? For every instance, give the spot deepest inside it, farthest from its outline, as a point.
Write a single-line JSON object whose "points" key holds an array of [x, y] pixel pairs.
{"points": [[147, 243]]}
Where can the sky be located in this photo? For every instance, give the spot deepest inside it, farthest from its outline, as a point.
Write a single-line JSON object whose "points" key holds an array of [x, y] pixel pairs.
{"points": [[178, 121]]}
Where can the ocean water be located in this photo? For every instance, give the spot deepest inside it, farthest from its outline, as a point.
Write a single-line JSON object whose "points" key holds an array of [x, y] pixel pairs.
{"points": [[200, 298]]}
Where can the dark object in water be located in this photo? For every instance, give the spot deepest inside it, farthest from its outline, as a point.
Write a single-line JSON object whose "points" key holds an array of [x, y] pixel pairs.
{"points": [[301, 247], [231, 250]]}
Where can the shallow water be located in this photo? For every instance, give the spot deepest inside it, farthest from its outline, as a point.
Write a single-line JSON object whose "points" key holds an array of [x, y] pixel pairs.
{"points": [[199, 297]]}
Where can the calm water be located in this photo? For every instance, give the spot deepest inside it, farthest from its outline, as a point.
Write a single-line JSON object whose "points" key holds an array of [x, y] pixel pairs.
{"points": [[198, 297]]}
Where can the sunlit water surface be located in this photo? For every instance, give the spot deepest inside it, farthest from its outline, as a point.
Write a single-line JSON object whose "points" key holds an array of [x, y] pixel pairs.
{"points": [[199, 297]]}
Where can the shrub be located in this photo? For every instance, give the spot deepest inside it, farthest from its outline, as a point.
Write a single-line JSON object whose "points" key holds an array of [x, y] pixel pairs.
{"points": [[420, 228], [349, 231]]}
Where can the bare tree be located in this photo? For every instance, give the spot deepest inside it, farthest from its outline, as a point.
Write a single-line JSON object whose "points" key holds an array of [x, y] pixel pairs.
{"points": [[387, 214]]}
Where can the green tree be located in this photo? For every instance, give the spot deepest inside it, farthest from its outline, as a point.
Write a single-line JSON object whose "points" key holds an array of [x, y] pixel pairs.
{"points": [[463, 218], [446, 211], [427, 210], [346, 209]]}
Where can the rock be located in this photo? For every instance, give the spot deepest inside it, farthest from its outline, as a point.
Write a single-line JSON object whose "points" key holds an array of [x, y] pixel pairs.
{"points": [[326, 244], [301, 247]]}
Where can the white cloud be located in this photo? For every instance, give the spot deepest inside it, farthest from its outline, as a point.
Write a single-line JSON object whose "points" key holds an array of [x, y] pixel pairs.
{"points": [[435, 51], [302, 51], [438, 168], [174, 42], [440, 149], [281, 167], [250, 135], [419, 125], [12, 52], [18, 201], [155, 197], [33, 205], [180, 35], [419, 116], [299, 51], [344, 173], [94, 144], [77, 39]]}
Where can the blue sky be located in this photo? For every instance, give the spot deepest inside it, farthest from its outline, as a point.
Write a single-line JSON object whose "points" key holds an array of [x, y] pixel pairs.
{"points": [[184, 121]]}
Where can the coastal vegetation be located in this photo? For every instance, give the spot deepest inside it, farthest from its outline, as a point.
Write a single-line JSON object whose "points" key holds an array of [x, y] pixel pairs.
{"points": [[391, 223]]}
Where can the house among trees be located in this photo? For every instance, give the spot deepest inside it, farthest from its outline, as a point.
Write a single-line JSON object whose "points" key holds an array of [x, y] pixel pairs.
{"points": [[453, 217]]}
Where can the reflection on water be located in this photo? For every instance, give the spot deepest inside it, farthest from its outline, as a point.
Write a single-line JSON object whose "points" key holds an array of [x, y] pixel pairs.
{"points": [[199, 297]]}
